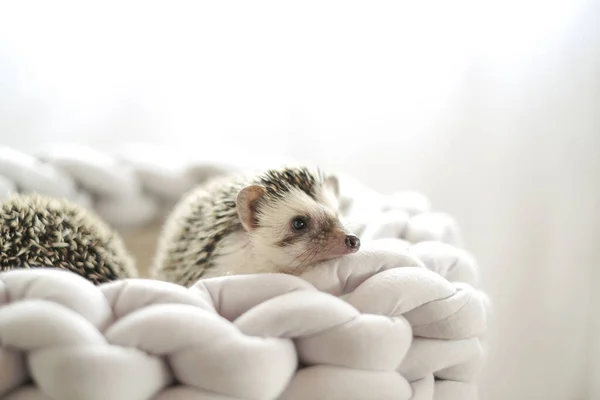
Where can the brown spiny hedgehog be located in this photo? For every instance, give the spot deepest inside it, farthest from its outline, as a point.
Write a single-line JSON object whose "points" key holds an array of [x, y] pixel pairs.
{"points": [[37, 231], [282, 220]]}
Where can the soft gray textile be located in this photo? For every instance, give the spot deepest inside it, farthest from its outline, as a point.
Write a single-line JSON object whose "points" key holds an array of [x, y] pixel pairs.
{"points": [[380, 324]]}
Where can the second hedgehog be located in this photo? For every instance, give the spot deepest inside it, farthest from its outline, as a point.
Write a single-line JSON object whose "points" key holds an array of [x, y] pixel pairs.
{"points": [[283, 220]]}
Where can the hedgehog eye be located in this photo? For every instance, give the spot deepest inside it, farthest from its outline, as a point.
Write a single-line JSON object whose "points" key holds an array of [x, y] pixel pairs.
{"points": [[299, 223]]}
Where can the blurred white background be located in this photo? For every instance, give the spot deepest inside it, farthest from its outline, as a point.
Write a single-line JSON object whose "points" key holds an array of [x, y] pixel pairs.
{"points": [[491, 108]]}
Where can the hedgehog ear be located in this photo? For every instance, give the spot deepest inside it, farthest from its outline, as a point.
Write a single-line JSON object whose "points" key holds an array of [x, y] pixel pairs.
{"points": [[332, 182], [246, 204]]}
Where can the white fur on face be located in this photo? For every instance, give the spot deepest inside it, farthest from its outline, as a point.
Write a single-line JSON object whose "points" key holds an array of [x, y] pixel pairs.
{"points": [[274, 226], [258, 251]]}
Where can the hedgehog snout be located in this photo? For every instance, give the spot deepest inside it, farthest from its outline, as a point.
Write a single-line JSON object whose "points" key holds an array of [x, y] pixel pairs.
{"points": [[352, 242], [342, 242]]}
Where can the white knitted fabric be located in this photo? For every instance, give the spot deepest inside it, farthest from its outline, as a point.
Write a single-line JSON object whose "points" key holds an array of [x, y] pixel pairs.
{"points": [[384, 324], [128, 187], [134, 184], [401, 319]]}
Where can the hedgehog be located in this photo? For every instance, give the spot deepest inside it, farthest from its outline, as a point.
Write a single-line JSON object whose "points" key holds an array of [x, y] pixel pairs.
{"points": [[39, 231], [281, 220]]}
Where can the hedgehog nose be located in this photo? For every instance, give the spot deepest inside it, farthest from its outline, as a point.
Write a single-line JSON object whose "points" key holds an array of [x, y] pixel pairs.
{"points": [[353, 242]]}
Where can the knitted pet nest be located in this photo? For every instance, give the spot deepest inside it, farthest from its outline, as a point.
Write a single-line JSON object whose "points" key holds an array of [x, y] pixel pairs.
{"points": [[401, 319]]}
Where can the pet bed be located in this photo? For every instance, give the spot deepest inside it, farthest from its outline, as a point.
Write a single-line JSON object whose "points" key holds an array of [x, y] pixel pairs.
{"points": [[401, 319]]}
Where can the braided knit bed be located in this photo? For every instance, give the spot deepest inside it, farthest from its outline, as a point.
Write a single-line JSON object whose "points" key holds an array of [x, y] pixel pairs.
{"points": [[402, 319]]}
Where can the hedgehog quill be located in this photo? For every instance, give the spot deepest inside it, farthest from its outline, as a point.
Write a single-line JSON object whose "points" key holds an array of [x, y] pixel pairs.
{"points": [[283, 220], [39, 231]]}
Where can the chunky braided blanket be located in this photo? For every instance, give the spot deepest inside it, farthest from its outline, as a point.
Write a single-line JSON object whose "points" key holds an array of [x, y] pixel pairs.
{"points": [[401, 319]]}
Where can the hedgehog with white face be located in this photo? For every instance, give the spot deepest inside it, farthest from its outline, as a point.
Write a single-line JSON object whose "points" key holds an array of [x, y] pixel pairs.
{"points": [[284, 220]]}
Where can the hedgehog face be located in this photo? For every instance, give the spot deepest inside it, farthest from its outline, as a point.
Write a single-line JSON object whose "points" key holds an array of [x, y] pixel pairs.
{"points": [[295, 230]]}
